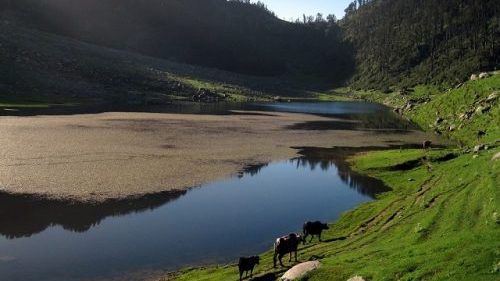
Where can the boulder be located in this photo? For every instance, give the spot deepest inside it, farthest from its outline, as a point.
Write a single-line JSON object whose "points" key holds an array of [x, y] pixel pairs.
{"points": [[482, 109], [300, 270], [463, 116], [478, 148], [398, 110], [492, 97], [438, 121], [473, 77], [496, 157], [484, 75]]}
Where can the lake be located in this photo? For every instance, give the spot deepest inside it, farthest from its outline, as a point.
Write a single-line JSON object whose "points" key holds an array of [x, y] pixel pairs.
{"points": [[43, 240], [216, 223]]}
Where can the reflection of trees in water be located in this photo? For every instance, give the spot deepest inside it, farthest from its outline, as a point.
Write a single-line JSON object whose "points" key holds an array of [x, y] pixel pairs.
{"points": [[363, 184], [252, 170], [23, 216], [384, 120]]}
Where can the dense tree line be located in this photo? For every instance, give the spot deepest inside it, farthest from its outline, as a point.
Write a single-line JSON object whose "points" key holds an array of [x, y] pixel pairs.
{"points": [[230, 35], [406, 42], [379, 43]]}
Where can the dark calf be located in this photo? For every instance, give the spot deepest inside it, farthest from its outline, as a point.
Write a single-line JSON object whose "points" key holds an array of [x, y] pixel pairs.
{"points": [[284, 245], [426, 144], [247, 264], [313, 228]]}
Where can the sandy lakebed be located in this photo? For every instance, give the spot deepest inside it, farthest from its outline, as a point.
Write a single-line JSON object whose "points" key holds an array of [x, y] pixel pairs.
{"points": [[96, 157]]}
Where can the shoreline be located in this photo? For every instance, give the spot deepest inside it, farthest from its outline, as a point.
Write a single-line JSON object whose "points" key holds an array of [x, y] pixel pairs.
{"points": [[352, 235], [96, 157]]}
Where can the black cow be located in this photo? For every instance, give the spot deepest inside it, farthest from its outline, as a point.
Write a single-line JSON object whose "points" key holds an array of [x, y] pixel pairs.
{"points": [[313, 228], [284, 245], [426, 144], [247, 264]]}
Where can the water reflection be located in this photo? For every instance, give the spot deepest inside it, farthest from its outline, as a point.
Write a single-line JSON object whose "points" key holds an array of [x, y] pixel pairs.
{"points": [[318, 108], [365, 185], [23, 216], [216, 223]]}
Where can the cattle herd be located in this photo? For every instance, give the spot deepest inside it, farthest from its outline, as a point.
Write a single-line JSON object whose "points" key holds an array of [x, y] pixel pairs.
{"points": [[288, 244]]}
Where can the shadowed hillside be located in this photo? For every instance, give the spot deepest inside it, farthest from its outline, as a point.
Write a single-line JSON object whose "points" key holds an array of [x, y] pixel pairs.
{"points": [[40, 69], [229, 35]]}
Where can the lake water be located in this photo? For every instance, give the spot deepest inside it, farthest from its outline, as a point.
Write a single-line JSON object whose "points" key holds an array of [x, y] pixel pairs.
{"points": [[209, 108], [219, 222], [50, 240]]}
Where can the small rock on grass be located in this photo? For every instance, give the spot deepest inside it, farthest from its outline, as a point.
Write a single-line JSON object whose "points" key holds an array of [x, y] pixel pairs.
{"points": [[492, 97], [496, 157], [300, 270], [484, 75], [478, 148]]}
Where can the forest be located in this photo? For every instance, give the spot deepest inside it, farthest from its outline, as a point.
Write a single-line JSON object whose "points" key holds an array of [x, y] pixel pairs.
{"points": [[411, 42], [231, 35], [378, 44]]}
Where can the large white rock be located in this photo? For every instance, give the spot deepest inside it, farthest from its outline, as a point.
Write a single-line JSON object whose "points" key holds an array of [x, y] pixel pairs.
{"points": [[496, 157], [484, 75], [300, 270]]}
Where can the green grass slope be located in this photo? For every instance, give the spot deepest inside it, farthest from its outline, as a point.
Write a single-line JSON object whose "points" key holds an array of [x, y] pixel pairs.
{"points": [[464, 111], [458, 113], [440, 222]]}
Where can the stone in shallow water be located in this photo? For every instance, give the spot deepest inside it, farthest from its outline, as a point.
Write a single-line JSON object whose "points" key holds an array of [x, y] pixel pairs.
{"points": [[300, 270]]}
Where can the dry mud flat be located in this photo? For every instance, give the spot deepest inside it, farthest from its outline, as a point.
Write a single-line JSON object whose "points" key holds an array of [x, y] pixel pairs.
{"points": [[116, 155]]}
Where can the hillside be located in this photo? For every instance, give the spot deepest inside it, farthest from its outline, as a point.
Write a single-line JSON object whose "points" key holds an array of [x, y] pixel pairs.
{"points": [[404, 43], [228, 35], [384, 45], [39, 69]]}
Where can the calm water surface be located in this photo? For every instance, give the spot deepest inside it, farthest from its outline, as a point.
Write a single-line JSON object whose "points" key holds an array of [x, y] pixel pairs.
{"points": [[215, 223], [209, 108], [49, 240]]}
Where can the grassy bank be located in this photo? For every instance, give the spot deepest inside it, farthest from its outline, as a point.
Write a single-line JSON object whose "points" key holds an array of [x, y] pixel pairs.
{"points": [[440, 222], [460, 113]]}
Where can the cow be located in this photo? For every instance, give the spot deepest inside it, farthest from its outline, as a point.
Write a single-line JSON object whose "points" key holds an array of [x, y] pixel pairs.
{"points": [[313, 228], [247, 264], [284, 245], [426, 144]]}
